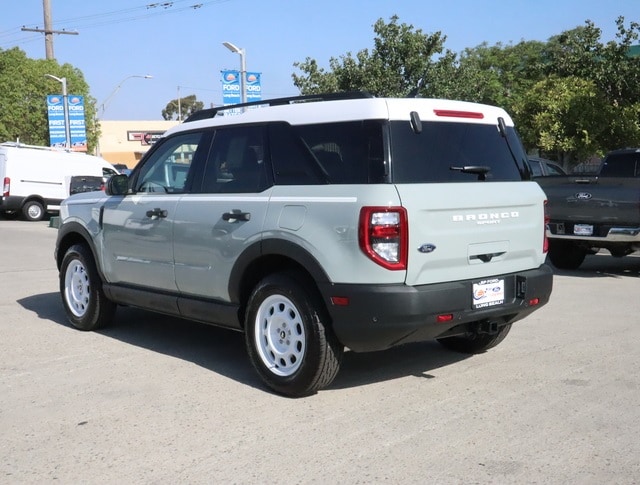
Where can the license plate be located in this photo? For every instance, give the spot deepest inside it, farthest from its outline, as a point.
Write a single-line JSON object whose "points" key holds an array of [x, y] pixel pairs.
{"points": [[583, 229], [488, 293]]}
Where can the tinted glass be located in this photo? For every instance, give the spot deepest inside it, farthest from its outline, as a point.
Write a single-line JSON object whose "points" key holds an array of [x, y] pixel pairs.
{"points": [[236, 162], [536, 169], [428, 156], [347, 152], [621, 165]]}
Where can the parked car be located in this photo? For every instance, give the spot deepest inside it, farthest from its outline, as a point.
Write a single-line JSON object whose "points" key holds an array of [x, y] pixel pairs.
{"points": [[541, 167], [591, 212], [318, 223]]}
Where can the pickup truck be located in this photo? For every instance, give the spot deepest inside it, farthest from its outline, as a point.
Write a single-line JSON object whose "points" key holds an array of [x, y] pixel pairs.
{"points": [[588, 213]]}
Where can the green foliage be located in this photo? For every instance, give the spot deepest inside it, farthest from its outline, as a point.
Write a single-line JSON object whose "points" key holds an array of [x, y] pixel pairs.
{"points": [[23, 97], [185, 106], [572, 96], [400, 61]]}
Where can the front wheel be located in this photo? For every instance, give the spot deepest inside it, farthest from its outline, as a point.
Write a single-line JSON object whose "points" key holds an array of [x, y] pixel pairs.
{"points": [[85, 303], [475, 343], [288, 338]]}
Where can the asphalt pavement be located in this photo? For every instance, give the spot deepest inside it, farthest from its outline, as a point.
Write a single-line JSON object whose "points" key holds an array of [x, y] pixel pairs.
{"points": [[153, 399]]}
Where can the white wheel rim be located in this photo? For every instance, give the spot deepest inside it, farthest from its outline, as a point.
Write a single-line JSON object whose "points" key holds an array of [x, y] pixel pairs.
{"points": [[279, 335], [77, 290]]}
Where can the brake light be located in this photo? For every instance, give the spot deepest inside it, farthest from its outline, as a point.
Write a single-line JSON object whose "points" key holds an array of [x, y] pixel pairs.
{"points": [[383, 234], [450, 113], [547, 219], [6, 187]]}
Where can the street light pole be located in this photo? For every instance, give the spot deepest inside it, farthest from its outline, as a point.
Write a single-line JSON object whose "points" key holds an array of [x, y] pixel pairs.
{"points": [[65, 105], [243, 68], [103, 105]]}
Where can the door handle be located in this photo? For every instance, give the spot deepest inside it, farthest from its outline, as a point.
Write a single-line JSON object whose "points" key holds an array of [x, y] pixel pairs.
{"points": [[157, 213], [236, 215]]}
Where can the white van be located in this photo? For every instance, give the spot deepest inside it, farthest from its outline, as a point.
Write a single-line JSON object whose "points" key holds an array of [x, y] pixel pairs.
{"points": [[36, 179]]}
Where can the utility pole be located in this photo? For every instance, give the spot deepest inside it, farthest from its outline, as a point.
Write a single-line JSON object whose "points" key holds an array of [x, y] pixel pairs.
{"points": [[48, 30]]}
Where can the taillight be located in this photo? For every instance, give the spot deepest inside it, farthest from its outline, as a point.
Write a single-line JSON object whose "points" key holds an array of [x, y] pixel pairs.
{"points": [[383, 235], [547, 219], [6, 187]]}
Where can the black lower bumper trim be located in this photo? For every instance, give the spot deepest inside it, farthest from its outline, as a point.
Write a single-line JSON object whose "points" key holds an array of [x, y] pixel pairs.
{"points": [[382, 316]]}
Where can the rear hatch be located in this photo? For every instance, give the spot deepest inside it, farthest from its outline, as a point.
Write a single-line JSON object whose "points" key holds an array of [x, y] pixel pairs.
{"points": [[471, 231], [462, 176]]}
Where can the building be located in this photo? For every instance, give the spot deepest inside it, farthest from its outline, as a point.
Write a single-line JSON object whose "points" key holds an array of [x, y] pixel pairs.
{"points": [[126, 141]]}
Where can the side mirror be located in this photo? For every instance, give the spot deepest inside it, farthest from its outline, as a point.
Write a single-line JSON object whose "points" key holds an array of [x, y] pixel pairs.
{"points": [[117, 185]]}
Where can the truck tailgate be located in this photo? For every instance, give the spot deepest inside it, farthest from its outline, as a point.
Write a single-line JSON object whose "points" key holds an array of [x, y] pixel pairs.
{"points": [[603, 200]]}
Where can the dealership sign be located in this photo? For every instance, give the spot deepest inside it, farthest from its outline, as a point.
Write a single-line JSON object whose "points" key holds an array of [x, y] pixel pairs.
{"points": [[57, 128], [232, 87]]}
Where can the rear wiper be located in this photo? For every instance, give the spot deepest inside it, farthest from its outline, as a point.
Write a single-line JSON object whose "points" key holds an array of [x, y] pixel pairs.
{"points": [[480, 170]]}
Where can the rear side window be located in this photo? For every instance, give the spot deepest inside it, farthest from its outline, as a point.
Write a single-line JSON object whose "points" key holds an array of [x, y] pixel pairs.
{"points": [[334, 153], [429, 156]]}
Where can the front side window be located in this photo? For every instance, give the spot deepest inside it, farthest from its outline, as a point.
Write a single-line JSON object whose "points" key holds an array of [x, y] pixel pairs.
{"points": [[434, 154], [168, 166]]}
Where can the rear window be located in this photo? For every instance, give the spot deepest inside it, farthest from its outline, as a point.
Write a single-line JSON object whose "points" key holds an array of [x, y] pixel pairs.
{"points": [[429, 156], [621, 165]]}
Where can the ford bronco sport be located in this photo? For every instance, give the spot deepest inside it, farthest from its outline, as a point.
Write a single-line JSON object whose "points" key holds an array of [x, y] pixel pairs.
{"points": [[315, 224]]}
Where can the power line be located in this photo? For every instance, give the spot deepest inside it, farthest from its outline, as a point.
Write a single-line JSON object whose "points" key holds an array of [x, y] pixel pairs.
{"points": [[102, 19]]}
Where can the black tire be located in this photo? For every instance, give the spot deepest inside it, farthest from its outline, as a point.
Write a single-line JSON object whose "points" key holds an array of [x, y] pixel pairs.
{"points": [[475, 343], [566, 254], [288, 338], [85, 303], [32, 210]]}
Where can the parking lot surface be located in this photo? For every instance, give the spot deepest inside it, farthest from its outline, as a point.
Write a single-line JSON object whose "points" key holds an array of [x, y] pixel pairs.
{"points": [[153, 399]]}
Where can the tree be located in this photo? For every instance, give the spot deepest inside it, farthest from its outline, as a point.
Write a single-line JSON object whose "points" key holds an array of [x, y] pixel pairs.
{"points": [[185, 106], [23, 97], [401, 62]]}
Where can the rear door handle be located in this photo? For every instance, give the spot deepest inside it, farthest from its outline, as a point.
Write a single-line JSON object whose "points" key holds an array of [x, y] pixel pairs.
{"points": [[157, 213], [236, 215]]}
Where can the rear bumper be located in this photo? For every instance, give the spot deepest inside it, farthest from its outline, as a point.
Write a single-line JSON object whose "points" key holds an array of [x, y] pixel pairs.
{"points": [[382, 316], [11, 203], [601, 232]]}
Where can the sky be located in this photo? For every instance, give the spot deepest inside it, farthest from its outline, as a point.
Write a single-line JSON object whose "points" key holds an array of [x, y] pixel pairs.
{"points": [[179, 42]]}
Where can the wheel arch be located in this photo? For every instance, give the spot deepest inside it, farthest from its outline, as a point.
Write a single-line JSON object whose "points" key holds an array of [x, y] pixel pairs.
{"points": [[271, 256], [74, 233]]}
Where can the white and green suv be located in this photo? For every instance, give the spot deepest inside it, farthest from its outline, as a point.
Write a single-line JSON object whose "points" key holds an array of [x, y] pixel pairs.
{"points": [[315, 224]]}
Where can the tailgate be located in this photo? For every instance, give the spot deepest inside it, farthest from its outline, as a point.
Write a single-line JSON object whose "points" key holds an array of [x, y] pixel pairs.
{"points": [[605, 200], [460, 231]]}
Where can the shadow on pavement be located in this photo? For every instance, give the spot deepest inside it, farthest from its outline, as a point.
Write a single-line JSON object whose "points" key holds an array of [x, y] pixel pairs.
{"points": [[603, 265], [223, 351]]}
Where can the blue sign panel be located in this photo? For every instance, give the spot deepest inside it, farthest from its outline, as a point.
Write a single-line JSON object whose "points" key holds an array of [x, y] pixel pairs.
{"points": [[232, 89], [254, 89], [55, 109], [77, 123], [77, 128]]}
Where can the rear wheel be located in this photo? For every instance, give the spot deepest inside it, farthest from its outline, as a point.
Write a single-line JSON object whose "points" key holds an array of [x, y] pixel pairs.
{"points": [[475, 343], [288, 338], [85, 303], [33, 210], [566, 254]]}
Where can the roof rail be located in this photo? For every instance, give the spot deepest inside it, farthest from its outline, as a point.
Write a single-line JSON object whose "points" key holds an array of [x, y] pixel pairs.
{"points": [[204, 114]]}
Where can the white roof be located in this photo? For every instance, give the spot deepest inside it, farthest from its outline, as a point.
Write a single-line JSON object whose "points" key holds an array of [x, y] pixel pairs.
{"points": [[359, 109]]}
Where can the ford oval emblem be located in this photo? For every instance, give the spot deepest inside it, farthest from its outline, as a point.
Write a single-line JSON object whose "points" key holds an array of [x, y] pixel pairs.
{"points": [[583, 196], [427, 248]]}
